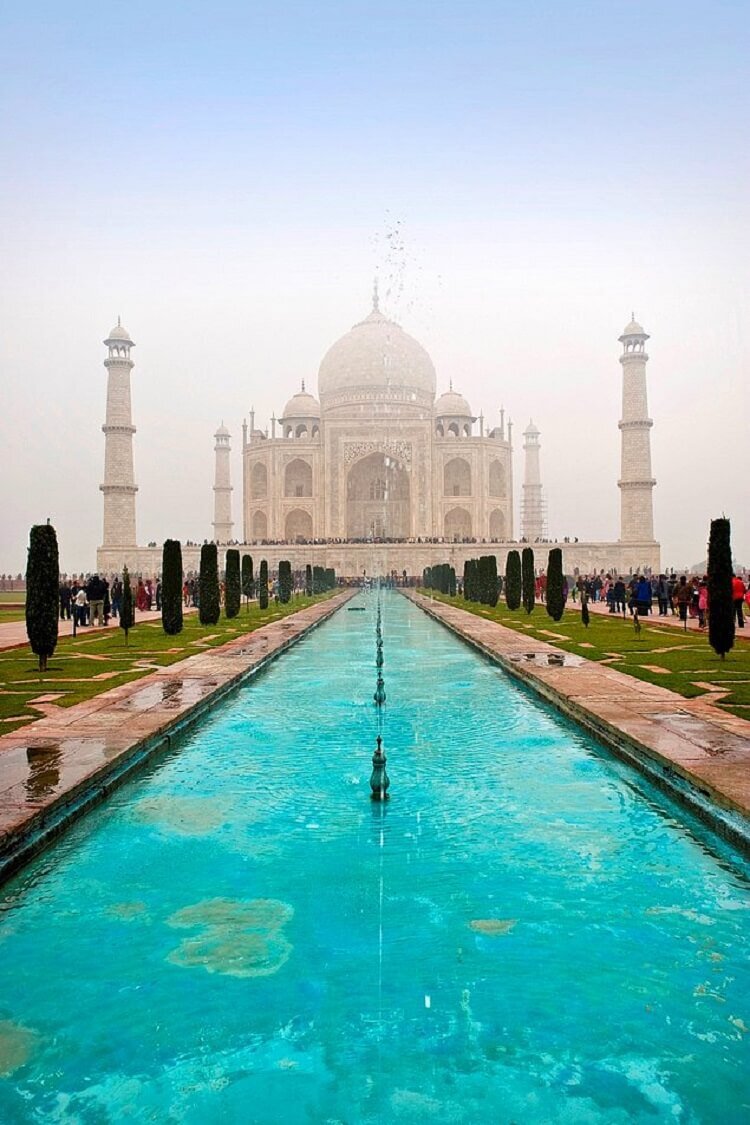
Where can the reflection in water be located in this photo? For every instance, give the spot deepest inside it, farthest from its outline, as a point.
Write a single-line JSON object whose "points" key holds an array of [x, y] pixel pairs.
{"points": [[44, 771]]}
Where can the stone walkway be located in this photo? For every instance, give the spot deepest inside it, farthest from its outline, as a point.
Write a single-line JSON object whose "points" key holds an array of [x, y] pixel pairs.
{"points": [[13, 633], [54, 769], [670, 621], [705, 747]]}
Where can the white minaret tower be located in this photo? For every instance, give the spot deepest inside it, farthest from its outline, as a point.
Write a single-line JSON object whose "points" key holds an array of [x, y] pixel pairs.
{"points": [[532, 504], [222, 487], [119, 485], [636, 483]]}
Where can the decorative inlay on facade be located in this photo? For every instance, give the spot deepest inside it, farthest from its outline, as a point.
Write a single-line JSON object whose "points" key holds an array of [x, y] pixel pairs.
{"points": [[356, 450]]}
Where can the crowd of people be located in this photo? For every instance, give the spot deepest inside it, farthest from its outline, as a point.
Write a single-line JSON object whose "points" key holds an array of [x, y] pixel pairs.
{"points": [[685, 596], [96, 601]]}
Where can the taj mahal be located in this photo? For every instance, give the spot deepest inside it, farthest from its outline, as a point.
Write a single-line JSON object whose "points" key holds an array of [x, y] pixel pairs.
{"points": [[379, 472]]}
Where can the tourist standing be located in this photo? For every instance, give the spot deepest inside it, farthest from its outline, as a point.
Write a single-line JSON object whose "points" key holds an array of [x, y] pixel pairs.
{"points": [[116, 596], [738, 597], [662, 595], [683, 596], [65, 600]]}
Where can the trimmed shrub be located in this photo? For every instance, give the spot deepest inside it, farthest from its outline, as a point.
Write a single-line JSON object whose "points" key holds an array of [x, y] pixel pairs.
{"points": [[555, 585], [247, 577], [209, 604], [127, 612], [171, 587], [513, 580], [233, 595], [285, 581], [491, 586], [42, 592], [720, 602], [308, 581], [585, 610], [263, 585], [528, 580]]}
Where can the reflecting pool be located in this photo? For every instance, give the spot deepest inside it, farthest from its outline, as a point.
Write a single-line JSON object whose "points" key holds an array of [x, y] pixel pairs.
{"points": [[524, 932]]}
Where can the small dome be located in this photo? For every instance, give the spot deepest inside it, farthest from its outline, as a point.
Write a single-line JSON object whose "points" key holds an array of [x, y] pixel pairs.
{"points": [[376, 354], [452, 404], [302, 405], [531, 430], [222, 431], [119, 333], [633, 329]]}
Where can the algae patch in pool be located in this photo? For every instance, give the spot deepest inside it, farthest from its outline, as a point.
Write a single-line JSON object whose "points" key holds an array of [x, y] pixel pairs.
{"points": [[237, 938], [492, 926], [187, 816], [16, 1045]]}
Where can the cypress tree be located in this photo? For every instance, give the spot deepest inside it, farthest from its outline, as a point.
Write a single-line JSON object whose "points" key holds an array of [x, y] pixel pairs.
{"points": [[555, 580], [452, 581], [492, 586], [263, 585], [209, 605], [528, 581], [42, 592], [171, 587], [127, 613], [308, 581], [720, 601], [473, 580], [247, 577], [330, 578], [285, 581], [467, 580], [233, 598], [513, 580]]}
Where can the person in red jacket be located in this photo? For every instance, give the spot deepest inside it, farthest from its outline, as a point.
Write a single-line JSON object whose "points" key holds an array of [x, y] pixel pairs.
{"points": [[738, 597]]}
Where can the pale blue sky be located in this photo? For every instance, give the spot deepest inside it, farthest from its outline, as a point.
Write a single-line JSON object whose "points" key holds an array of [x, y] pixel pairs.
{"points": [[224, 177]]}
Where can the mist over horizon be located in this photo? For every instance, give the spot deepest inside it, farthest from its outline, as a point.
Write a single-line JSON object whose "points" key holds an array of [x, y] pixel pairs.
{"points": [[230, 181]]}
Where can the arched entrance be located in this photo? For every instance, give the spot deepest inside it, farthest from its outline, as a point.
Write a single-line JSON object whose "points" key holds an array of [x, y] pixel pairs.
{"points": [[378, 499], [497, 525], [260, 525], [457, 524], [298, 526]]}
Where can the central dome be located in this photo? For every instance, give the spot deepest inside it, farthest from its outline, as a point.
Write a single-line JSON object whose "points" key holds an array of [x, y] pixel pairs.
{"points": [[377, 353]]}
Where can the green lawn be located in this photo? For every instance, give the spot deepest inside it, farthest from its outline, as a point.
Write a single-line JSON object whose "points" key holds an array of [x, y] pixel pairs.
{"points": [[94, 663], [8, 613], [683, 662], [12, 596]]}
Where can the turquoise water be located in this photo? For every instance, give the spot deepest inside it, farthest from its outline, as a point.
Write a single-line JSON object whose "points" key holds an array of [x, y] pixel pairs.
{"points": [[526, 932]]}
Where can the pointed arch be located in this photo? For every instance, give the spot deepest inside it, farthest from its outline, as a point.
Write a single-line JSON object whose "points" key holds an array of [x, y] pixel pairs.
{"points": [[458, 524], [457, 477]]}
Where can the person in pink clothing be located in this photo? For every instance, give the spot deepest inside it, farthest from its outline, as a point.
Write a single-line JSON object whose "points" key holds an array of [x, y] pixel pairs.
{"points": [[702, 601]]}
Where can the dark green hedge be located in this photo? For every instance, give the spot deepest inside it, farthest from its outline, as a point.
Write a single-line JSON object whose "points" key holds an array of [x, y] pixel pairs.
{"points": [[42, 592]]}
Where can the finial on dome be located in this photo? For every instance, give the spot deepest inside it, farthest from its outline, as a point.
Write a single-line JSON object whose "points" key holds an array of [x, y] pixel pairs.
{"points": [[450, 385], [118, 323], [375, 296], [303, 386], [632, 315]]}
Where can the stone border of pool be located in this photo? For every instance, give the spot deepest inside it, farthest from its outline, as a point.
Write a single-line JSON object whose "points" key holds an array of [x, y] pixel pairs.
{"points": [[55, 769], [687, 747]]}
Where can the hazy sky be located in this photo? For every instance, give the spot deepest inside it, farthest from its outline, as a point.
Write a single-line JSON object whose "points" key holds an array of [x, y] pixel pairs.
{"points": [[225, 177]]}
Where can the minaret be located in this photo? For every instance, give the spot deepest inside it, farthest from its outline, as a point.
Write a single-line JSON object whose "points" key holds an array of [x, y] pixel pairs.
{"points": [[532, 504], [222, 487], [119, 485], [636, 483]]}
